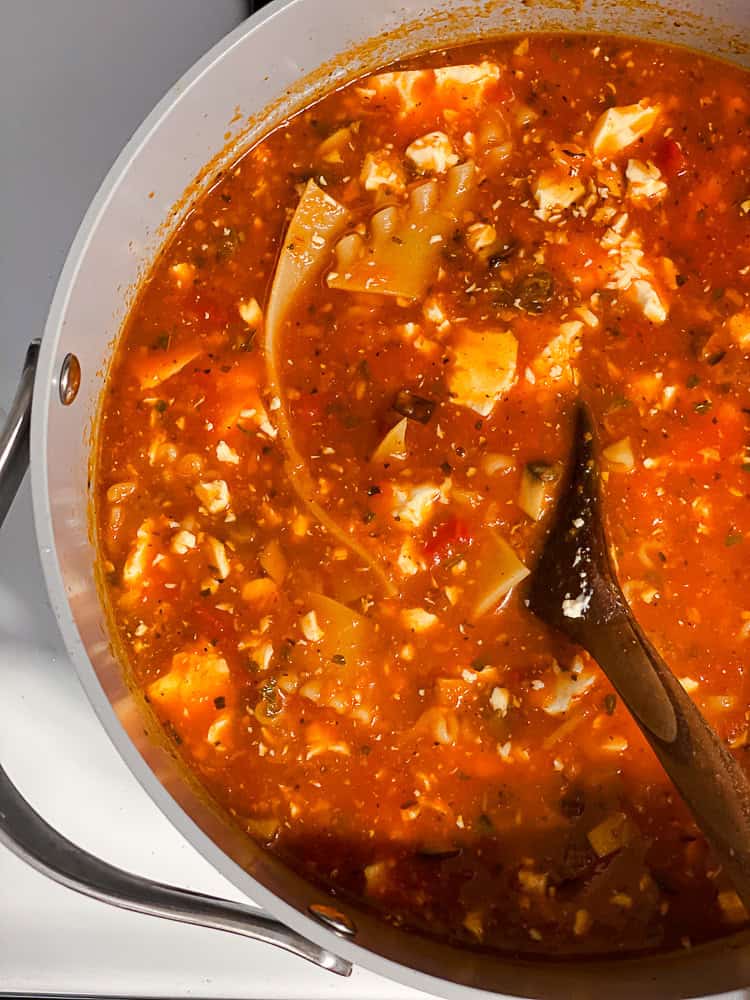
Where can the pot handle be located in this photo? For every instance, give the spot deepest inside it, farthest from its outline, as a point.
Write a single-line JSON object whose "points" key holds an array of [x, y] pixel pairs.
{"points": [[31, 838], [14, 436]]}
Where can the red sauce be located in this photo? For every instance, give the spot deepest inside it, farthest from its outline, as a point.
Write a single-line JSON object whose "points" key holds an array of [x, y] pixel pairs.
{"points": [[316, 519]]}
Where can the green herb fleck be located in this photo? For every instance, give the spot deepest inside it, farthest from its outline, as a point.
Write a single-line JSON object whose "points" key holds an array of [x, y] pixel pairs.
{"points": [[338, 658], [220, 702], [703, 406], [733, 538], [162, 342], [692, 381], [610, 703]]}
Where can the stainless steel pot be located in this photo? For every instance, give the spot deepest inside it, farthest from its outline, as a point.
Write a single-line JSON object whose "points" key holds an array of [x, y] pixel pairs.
{"points": [[272, 64]]}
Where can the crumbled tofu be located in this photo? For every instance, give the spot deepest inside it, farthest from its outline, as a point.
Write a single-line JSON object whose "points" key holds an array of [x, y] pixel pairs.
{"points": [[383, 170], [192, 677], [576, 607], [432, 153], [465, 85], [644, 181], [500, 700], [413, 504], [418, 620], [619, 128], [182, 542], [471, 77], [554, 192], [226, 454], [213, 495], [216, 553], [739, 329], [218, 731], [479, 236], [409, 561], [250, 313], [566, 687], [433, 311], [634, 276], [143, 550], [556, 360], [484, 368], [310, 627], [647, 299]]}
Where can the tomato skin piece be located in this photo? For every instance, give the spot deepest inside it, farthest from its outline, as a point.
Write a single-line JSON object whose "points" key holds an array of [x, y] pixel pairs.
{"points": [[448, 538], [669, 158]]}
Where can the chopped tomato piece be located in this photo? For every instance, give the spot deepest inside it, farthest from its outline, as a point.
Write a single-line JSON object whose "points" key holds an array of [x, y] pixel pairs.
{"points": [[669, 158], [449, 538]]}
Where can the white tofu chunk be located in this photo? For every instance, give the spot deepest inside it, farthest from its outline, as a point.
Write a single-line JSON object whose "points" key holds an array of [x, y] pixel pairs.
{"points": [[226, 454], [382, 170], [619, 128], [644, 182], [213, 495], [418, 620], [483, 369], [413, 504], [465, 85], [182, 542], [409, 560], [432, 153], [554, 192], [556, 360], [216, 554], [566, 687], [142, 552], [500, 700], [192, 677], [648, 300]]}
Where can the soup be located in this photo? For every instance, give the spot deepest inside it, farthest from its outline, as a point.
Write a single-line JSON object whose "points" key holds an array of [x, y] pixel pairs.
{"points": [[331, 440]]}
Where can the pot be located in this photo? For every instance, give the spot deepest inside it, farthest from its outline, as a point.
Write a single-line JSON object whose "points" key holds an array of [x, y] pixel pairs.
{"points": [[275, 62]]}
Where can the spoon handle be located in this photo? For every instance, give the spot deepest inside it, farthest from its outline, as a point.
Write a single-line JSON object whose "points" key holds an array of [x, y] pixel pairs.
{"points": [[707, 776]]}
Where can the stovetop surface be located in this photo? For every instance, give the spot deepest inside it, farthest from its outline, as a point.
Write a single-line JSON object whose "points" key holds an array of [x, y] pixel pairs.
{"points": [[76, 78]]}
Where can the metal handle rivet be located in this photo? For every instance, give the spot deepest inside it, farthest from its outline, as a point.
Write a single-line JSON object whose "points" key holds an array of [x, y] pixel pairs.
{"points": [[70, 379], [335, 919]]}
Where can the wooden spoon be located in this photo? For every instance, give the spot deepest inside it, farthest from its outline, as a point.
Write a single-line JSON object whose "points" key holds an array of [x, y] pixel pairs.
{"points": [[574, 589]]}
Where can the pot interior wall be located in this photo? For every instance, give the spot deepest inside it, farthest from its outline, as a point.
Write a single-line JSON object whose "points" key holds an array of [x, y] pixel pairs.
{"points": [[269, 69]]}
